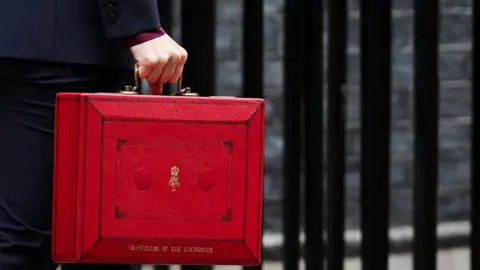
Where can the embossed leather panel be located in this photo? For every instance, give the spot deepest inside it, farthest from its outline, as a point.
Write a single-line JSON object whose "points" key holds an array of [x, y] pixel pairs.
{"points": [[158, 180]]}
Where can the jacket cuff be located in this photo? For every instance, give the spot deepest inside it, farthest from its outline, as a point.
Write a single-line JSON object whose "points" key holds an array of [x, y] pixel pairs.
{"points": [[142, 37], [123, 18]]}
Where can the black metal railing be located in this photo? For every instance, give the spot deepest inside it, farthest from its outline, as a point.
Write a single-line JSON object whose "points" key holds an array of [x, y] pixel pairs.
{"points": [[475, 152], [304, 129], [375, 87], [426, 107]]}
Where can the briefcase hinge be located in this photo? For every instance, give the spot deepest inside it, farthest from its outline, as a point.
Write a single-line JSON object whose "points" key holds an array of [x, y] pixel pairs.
{"points": [[129, 90], [132, 89], [184, 91]]}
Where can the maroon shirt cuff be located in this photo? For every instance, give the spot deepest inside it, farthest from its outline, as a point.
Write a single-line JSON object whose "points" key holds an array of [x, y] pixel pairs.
{"points": [[142, 37]]}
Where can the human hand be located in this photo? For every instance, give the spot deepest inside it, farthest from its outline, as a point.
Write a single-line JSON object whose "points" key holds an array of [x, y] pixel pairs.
{"points": [[159, 60]]}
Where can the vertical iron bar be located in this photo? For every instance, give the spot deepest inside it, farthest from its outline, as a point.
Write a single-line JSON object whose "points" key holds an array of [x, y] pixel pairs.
{"points": [[375, 31], [475, 154], [165, 9], [293, 85], [426, 105], [313, 135], [253, 57], [253, 48], [198, 38], [337, 49]]}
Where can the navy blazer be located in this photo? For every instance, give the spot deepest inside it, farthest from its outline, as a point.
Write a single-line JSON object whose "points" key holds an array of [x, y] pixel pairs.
{"points": [[74, 31]]}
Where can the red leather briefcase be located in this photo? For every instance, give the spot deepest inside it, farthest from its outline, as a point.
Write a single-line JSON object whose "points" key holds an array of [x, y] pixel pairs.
{"points": [[158, 179]]}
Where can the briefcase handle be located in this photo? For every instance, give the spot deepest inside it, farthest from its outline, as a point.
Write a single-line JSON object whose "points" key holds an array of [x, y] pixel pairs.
{"points": [[133, 89]]}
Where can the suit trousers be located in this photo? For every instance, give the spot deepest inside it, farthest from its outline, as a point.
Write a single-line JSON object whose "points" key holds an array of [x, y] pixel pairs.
{"points": [[27, 105]]}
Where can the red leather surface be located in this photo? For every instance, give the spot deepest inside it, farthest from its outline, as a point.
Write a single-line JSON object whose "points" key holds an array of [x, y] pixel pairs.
{"points": [[160, 180]]}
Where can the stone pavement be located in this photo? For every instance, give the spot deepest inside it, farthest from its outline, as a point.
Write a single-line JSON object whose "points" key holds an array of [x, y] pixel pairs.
{"points": [[448, 259]]}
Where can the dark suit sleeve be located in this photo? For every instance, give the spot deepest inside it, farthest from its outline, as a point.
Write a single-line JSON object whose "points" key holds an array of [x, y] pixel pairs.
{"points": [[123, 18]]}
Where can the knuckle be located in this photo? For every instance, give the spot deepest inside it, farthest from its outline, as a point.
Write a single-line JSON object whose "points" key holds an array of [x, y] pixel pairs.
{"points": [[176, 58], [162, 59], [150, 60], [184, 53], [183, 59]]}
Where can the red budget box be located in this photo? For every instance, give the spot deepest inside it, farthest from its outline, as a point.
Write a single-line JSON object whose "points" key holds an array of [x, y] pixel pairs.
{"points": [[158, 179]]}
